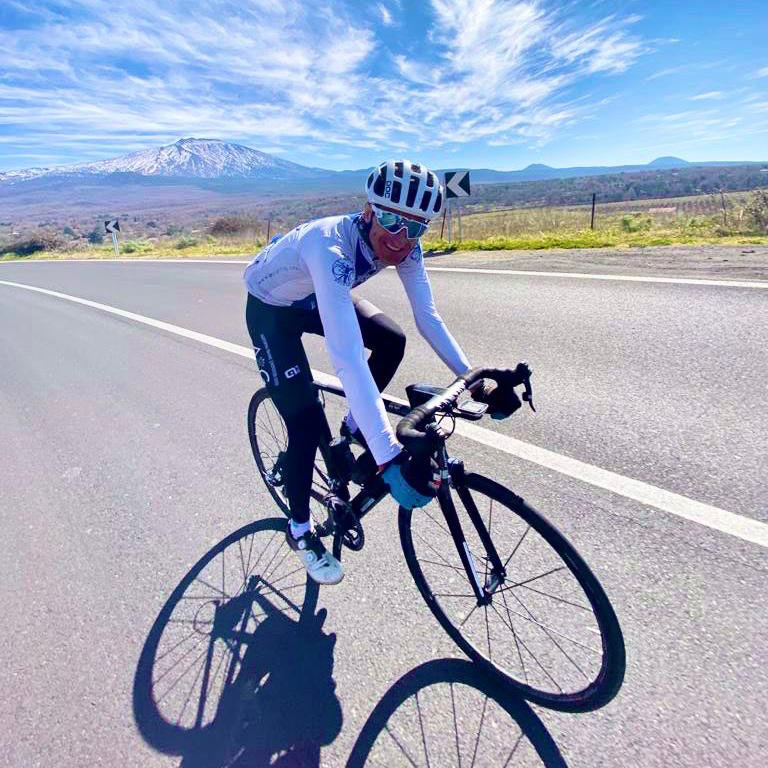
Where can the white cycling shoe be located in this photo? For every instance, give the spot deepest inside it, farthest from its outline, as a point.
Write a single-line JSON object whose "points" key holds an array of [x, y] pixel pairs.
{"points": [[321, 565]]}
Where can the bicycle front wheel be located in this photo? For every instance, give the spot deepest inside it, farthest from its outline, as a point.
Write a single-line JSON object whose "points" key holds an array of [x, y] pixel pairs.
{"points": [[545, 625]]}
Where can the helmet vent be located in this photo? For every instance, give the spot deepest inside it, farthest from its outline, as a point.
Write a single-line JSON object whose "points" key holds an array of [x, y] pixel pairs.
{"points": [[399, 170], [425, 200], [397, 191], [413, 188]]}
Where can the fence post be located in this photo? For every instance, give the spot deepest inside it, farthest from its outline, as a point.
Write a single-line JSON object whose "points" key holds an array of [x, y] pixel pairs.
{"points": [[442, 227], [269, 226], [592, 222]]}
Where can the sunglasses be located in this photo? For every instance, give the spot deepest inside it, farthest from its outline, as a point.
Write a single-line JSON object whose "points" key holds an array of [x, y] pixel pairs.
{"points": [[394, 222]]}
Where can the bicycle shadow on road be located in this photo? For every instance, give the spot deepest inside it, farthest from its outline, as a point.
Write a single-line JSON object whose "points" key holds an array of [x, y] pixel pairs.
{"points": [[237, 670], [446, 712]]}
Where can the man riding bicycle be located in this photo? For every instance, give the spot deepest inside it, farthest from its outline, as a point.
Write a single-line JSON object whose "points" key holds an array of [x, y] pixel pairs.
{"points": [[301, 283]]}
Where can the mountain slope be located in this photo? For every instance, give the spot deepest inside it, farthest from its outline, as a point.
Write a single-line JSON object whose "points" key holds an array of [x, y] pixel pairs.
{"points": [[187, 158]]}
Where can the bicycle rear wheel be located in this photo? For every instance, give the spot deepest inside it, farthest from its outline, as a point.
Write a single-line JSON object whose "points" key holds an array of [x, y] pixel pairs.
{"points": [[269, 442], [546, 626]]}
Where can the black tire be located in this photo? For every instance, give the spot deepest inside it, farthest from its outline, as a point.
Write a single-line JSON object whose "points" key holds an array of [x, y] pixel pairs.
{"points": [[583, 610], [215, 608], [269, 440]]}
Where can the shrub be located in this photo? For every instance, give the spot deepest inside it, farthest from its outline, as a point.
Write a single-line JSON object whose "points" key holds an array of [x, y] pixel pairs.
{"points": [[186, 242], [756, 210], [95, 237], [228, 225], [40, 241], [636, 223], [135, 246], [68, 231]]}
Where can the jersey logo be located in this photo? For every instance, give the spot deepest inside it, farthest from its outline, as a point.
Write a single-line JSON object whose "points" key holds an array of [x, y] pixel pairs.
{"points": [[343, 272], [416, 254]]}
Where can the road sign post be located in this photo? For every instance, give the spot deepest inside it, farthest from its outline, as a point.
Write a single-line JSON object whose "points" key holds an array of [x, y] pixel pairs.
{"points": [[113, 227], [456, 186]]}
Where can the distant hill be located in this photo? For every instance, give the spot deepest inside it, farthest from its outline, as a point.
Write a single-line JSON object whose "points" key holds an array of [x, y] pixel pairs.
{"points": [[229, 167]]}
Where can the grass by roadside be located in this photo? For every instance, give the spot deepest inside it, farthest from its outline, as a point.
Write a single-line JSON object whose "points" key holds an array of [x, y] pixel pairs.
{"points": [[538, 241]]}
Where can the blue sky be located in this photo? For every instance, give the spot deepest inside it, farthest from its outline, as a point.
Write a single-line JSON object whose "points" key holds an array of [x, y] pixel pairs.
{"points": [[344, 84]]}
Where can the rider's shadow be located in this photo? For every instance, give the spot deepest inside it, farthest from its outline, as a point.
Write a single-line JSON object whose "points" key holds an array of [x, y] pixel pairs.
{"points": [[237, 670], [282, 706]]}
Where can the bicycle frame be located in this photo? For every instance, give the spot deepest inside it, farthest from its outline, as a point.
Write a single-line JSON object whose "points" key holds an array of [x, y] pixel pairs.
{"points": [[452, 470]]}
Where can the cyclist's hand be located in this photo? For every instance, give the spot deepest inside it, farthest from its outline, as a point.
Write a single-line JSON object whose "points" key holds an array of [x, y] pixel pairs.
{"points": [[412, 482], [502, 402]]}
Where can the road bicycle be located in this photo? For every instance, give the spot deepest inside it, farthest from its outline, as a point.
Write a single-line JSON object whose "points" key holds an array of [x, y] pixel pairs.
{"points": [[509, 589]]}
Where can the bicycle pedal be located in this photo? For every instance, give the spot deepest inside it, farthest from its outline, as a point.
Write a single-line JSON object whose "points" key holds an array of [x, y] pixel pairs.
{"points": [[354, 538]]}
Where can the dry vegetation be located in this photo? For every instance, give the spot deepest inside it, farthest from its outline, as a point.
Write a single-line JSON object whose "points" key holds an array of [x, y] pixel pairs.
{"points": [[738, 217]]}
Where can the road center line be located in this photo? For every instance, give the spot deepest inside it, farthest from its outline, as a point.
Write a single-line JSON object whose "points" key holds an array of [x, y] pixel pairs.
{"points": [[718, 519]]}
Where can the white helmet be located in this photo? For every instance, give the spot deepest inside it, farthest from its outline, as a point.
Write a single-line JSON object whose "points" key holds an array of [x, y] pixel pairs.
{"points": [[406, 187]]}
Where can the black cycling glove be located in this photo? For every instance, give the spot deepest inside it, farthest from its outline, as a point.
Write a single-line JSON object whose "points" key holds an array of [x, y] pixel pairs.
{"points": [[502, 401]]}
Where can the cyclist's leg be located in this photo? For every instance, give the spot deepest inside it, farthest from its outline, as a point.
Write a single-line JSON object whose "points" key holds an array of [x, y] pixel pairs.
{"points": [[276, 336], [384, 338]]}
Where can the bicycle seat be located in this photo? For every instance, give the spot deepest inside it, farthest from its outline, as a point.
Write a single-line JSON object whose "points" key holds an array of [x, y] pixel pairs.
{"points": [[420, 393]]}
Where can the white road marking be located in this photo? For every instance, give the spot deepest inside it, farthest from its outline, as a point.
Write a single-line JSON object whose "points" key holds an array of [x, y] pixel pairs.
{"points": [[629, 278], [718, 519], [479, 270]]}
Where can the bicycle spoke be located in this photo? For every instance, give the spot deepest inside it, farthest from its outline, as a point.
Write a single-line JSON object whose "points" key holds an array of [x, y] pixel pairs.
{"points": [[421, 727], [455, 725], [448, 594], [210, 586], [532, 654], [192, 690], [181, 642], [175, 664], [517, 644], [514, 749], [444, 565], [535, 578], [549, 635], [517, 546], [550, 629], [552, 597], [181, 677], [400, 747], [479, 731]]}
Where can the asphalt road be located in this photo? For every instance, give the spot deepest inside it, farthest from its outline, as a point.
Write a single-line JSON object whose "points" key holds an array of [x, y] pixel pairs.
{"points": [[126, 460]]}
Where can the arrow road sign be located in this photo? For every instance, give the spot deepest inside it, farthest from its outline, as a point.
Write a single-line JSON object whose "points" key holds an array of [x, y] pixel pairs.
{"points": [[456, 184], [112, 226]]}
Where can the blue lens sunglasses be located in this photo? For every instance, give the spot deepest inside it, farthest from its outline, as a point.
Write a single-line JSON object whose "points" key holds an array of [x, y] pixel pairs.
{"points": [[394, 222]]}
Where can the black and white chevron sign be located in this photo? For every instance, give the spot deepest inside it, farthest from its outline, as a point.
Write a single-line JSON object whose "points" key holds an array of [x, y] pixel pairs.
{"points": [[456, 184], [112, 225]]}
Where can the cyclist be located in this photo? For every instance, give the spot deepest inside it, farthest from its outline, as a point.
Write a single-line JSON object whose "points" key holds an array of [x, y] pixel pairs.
{"points": [[300, 283]]}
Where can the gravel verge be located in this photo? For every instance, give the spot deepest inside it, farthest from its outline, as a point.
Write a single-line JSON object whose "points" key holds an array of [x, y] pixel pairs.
{"points": [[735, 262]]}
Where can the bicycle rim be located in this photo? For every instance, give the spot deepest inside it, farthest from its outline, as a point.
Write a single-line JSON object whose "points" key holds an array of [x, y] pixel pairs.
{"points": [[548, 629]]}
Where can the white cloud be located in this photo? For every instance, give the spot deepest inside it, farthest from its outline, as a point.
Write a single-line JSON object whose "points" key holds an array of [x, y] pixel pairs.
{"points": [[762, 72], [708, 96], [386, 16], [279, 71]]}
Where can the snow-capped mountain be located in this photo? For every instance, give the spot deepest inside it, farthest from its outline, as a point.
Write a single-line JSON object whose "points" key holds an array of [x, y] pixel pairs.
{"points": [[186, 158]]}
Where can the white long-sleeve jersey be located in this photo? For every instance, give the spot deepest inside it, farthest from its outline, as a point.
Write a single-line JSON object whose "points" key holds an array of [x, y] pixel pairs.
{"points": [[316, 265]]}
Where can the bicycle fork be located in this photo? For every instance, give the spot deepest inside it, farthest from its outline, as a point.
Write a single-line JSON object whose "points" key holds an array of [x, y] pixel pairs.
{"points": [[483, 590]]}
